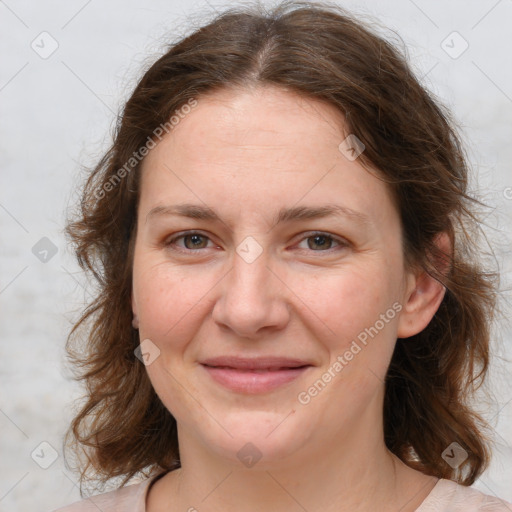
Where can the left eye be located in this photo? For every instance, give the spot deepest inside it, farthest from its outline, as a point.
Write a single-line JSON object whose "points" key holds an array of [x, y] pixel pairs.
{"points": [[321, 240]]}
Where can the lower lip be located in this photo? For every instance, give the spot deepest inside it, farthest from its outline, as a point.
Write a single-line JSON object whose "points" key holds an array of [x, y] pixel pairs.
{"points": [[247, 381]]}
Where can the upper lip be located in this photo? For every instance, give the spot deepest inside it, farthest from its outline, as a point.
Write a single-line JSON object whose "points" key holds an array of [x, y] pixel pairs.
{"points": [[255, 363]]}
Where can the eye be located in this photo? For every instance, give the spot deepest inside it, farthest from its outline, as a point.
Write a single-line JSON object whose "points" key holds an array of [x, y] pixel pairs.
{"points": [[192, 241], [322, 242]]}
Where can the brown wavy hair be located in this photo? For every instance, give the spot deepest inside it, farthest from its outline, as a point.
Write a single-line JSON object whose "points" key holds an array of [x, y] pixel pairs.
{"points": [[323, 52]]}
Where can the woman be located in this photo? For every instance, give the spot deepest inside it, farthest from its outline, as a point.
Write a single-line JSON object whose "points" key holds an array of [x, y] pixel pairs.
{"points": [[290, 313]]}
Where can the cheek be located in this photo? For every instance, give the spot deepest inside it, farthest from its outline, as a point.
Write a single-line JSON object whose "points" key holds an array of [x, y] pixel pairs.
{"points": [[359, 341], [169, 299], [348, 302], [360, 309]]}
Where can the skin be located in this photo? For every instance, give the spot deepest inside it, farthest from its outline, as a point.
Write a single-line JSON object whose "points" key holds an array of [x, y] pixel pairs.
{"points": [[246, 154]]}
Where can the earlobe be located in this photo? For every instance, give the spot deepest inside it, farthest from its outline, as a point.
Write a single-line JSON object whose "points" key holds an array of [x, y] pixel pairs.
{"points": [[135, 320], [424, 296]]}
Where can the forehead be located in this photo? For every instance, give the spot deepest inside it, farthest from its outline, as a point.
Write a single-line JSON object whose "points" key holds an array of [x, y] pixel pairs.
{"points": [[259, 148], [266, 116]]}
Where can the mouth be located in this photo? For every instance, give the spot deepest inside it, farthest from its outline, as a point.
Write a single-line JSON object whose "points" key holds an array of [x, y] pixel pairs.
{"points": [[254, 375]]}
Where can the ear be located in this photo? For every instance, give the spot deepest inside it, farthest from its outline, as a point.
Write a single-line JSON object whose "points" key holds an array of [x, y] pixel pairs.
{"points": [[424, 293], [135, 321]]}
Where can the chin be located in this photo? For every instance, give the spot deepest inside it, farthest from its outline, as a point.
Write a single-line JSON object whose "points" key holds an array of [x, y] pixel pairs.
{"points": [[259, 438]]}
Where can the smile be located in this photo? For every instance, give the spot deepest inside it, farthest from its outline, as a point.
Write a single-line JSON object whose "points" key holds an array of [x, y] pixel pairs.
{"points": [[254, 380]]}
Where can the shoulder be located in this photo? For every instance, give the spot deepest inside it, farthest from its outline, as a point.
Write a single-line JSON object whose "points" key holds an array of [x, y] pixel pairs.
{"points": [[131, 498], [449, 496]]}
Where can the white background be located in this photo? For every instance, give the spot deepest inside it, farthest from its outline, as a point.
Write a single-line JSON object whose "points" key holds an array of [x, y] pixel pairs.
{"points": [[57, 113]]}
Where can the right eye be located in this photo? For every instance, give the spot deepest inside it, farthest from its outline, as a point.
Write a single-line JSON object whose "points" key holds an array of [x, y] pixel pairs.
{"points": [[193, 241]]}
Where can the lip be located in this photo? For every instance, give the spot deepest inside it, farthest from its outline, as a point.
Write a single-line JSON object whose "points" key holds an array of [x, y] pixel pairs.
{"points": [[254, 375]]}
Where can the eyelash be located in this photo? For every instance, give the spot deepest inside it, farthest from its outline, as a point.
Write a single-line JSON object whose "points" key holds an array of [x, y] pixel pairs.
{"points": [[170, 242]]}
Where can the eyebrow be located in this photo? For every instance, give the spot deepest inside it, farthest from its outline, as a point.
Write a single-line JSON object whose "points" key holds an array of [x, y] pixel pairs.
{"points": [[293, 214]]}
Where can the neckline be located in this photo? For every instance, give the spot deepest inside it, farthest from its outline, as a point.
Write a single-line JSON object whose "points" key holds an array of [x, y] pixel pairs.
{"points": [[145, 487], [434, 493], [431, 496]]}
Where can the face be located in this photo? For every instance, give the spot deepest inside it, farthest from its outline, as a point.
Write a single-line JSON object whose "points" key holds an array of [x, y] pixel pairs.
{"points": [[266, 317]]}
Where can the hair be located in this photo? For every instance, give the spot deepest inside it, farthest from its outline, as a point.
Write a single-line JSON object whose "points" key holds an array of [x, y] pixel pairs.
{"points": [[324, 53]]}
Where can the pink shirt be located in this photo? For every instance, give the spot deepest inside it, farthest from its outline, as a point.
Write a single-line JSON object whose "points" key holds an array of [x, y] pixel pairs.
{"points": [[446, 496]]}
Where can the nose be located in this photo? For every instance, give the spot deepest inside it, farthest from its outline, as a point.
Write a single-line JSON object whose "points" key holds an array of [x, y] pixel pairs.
{"points": [[253, 300]]}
